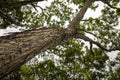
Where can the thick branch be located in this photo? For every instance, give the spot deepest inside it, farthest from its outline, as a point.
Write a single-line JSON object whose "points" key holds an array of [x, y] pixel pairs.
{"points": [[85, 38], [75, 22], [14, 4]]}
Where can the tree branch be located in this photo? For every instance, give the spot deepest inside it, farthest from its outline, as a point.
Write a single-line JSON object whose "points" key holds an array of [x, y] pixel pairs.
{"points": [[75, 22], [9, 19], [13, 21], [85, 38], [107, 2], [87, 32], [14, 4], [91, 46]]}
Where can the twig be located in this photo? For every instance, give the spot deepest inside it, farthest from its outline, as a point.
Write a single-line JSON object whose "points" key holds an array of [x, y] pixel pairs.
{"points": [[34, 6]]}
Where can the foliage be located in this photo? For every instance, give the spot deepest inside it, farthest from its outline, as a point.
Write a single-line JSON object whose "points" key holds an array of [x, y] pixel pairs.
{"points": [[12, 12], [74, 59]]}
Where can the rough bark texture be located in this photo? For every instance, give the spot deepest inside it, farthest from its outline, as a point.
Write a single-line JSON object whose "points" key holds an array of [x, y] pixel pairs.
{"points": [[18, 48]]}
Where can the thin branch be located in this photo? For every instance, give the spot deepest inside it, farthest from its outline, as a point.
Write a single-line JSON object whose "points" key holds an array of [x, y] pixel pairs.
{"points": [[107, 2], [34, 6], [113, 43], [8, 18], [13, 21], [14, 4], [91, 46], [87, 32], [84, 20], [81, 36]]}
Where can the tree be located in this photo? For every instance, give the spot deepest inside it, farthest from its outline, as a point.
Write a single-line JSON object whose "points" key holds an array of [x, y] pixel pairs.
{"points": [[18, 48]]}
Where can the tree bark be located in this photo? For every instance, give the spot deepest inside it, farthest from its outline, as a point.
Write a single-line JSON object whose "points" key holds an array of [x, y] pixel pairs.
{"points": [[18, 48]]}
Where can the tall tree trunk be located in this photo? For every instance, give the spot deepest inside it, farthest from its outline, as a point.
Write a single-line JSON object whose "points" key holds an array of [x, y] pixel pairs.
{"points": [[18, 48]]}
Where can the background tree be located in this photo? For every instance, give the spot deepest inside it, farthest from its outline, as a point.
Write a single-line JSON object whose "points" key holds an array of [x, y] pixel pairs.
{"points": [[70, 60]]}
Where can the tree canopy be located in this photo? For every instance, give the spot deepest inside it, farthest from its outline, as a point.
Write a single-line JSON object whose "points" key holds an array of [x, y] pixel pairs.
{"points": [[76, 48]]}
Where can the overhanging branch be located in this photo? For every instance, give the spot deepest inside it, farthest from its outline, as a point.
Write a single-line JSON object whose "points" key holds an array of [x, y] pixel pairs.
{"points": [[14, 4], [85, 38], [13, 21], [107, 2], [9, 19]]}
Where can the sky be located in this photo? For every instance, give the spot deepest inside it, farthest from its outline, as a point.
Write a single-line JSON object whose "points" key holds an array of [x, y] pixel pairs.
{"points": [[43, 4], [89, 13]]}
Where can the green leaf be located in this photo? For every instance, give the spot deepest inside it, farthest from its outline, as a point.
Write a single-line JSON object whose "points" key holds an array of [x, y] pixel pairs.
{"points": [[118, 11]]}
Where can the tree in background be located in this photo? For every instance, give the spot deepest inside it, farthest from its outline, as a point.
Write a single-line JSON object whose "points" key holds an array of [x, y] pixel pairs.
{"points": [[62, 49]]}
